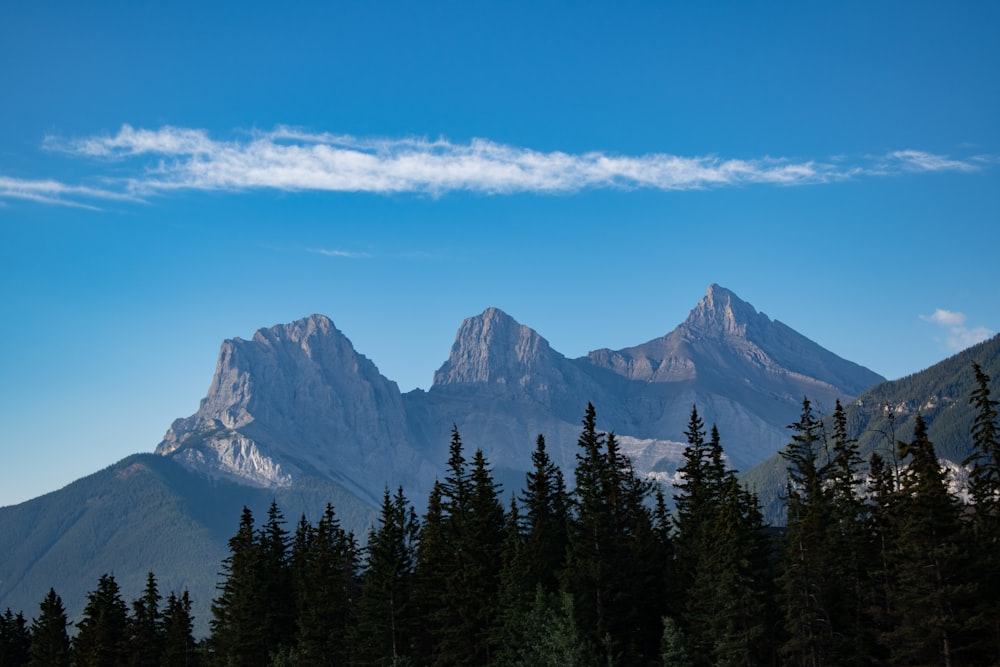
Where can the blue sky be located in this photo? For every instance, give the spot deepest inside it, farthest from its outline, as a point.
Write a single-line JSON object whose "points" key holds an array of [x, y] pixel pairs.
{"points": [[174, 176]]}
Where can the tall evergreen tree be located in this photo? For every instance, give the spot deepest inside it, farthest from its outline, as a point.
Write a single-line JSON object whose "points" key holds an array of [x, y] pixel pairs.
{"points": [[277, 604], [926, 560], [850, 598], [984, 483], [545, 504], [145, 638], [50, 646], [101, 640], [703, 480], [431, 574], [612, 569], [15, 640], [238, 637], [459, 560], [326, 593], [386, 621], [179, 646], [806, 583], [728, 612]]}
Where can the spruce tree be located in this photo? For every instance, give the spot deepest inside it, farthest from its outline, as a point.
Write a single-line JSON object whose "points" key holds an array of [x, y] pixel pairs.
{"points": [[386, 622], [102, 636], [238, 635], [430, 575], [179, 646], [145, 627], [50, 645], [545, 505], [926, 560], [15, 640], [853, 641], [984, 483], [613, 569], [808, 562], [727, 610], [277, 604], [325, 594]]}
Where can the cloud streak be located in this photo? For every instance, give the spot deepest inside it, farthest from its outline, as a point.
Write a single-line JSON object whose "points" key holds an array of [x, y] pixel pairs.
{"points": [[48, 191], [169, 159], [958, 336]]}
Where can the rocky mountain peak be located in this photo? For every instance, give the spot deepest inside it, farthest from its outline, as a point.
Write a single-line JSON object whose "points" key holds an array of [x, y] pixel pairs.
{"points": [[721, 313], [493, 348]]}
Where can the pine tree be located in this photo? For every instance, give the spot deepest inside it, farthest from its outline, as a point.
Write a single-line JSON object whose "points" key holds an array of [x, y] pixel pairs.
{"points": [[926, 560], [277, 605], [15, 640], [101, 640], [179, 646], [698, 493], [326, 593], [728, 611], [430, 575], [386, 623], [514, 597], [545, 504], [50, 646], [878, 608], [613, 567], [726, 554], [549, 635], [985, 490], [145, 627], [238, 637], [806, 583], [853, 640]]}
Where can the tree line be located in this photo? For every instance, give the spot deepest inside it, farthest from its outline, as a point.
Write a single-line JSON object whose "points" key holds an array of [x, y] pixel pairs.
{"points": [[878, 565]]}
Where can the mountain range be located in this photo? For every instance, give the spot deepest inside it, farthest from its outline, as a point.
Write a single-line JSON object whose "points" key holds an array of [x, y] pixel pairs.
{"points": [[297, 415]]}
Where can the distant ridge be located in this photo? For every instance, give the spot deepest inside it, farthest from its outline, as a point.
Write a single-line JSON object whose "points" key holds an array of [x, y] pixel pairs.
{"points": [[298, 415]]}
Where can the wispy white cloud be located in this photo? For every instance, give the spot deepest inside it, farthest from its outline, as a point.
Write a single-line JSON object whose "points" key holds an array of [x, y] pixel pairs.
{"points": [[48, 191], [288, 159], [346, 254], [958, 336], [921, 161]]}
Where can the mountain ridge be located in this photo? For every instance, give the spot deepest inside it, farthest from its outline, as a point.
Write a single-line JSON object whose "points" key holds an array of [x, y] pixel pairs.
{"points": [[295, 413]]}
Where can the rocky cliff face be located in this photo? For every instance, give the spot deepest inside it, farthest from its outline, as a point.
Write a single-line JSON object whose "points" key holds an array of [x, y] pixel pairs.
{"points": [[298, 400]]}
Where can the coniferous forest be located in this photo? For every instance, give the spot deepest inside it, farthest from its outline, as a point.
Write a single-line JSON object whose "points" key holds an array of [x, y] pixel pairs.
{"points": [[880, 563]]}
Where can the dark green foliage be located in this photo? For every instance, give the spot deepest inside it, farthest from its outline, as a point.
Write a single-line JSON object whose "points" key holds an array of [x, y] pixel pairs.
{"points": [[461, 557], [276, 605], [50, 645], [15, 641], [545, 505], [673, 647], [722, 559], [549, 636], [807, 587], [145, 630], [102, 633], [926, 555], [179, 647], [727, 611], [238, 636], [326, 589], [612, 570], [984, 485], [386, 621]]}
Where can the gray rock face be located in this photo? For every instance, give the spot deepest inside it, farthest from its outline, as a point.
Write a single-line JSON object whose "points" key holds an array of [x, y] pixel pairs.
{"points": [[299, 400]]}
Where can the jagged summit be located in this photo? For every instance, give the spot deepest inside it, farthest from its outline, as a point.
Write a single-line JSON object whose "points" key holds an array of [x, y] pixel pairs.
{"points": [[494, 348], [721, 313], [295, 398]]}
